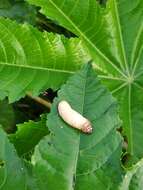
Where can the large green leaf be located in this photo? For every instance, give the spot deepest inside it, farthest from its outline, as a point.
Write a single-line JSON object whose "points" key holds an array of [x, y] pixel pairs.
{"points": [[114, 37], [67, 159], [14, 174], [133, 179], [33, 61], [28, 134]]}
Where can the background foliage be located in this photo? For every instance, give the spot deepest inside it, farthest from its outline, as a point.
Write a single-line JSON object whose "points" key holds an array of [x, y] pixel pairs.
{"points": [[42, 45]]}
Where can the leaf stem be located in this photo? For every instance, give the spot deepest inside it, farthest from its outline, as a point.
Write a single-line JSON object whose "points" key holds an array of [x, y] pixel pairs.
{"points": [[39, 100]]}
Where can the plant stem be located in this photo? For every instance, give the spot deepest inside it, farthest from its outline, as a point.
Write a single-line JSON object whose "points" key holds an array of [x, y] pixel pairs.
{"points": [[39, 100]]}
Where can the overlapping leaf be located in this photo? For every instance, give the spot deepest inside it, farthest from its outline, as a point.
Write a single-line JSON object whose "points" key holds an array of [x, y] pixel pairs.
{"points": [[32, 61], [114, 37], [68, 159], [28, 135], [133, 180], [13, 172]]}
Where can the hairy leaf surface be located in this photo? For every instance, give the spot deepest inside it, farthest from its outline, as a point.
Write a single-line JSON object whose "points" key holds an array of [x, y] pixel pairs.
{"points": [[68, 159], [114, 37]]}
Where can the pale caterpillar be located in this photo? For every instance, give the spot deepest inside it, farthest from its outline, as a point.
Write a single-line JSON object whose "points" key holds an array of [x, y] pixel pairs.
{"points": [[73, 118]]}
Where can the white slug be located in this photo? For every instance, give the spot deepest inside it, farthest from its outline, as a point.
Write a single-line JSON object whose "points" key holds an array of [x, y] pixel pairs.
{"points": [[73, 118]]}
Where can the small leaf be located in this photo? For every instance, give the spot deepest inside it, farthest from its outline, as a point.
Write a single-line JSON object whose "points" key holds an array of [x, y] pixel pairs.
{"points": [[28, 135]]}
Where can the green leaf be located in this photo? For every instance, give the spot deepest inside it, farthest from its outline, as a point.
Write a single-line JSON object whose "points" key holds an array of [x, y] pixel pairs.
{"points": [[133, 179], [13, 173], [20, 11], [4, 4], [33, 61], [31, 182], [7, 117], [69, 159], [2, 95], [28, 135], [114, 37]]}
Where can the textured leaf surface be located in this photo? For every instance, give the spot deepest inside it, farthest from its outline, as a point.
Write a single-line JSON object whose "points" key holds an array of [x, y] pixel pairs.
{"points": [[114, 37], [13, 173], [28, 135], [31, 60], [68, 159], [133, 180]]}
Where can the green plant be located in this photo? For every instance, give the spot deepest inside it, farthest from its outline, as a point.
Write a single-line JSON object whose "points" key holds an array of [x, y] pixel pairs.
{"points": [[32, 61], [113, 37]]}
